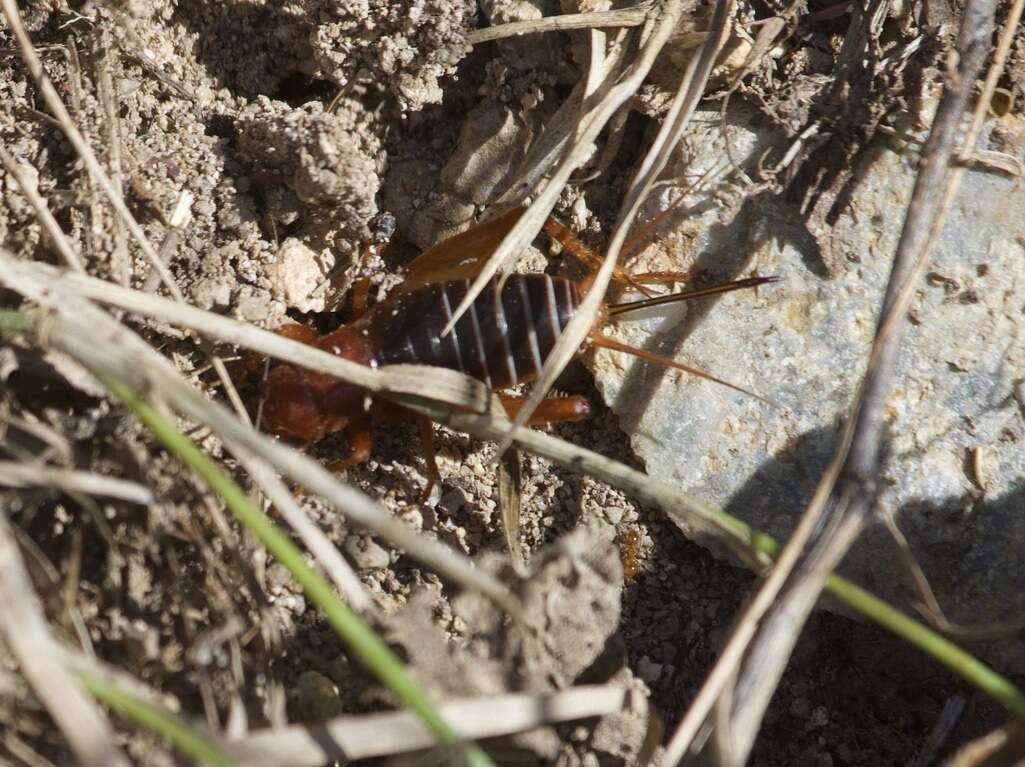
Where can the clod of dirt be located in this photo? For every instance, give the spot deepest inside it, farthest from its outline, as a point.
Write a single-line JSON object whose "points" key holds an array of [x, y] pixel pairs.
{"points": [[298, 273], [572, 606], [319, 168], [314, 698], [365, 553], [490, 146], [405, 46], [572, 601], [318, 174]]}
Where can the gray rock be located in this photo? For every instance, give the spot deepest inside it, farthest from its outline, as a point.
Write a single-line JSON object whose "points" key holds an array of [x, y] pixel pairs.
{"points": [[803, 343], [490, 145]]}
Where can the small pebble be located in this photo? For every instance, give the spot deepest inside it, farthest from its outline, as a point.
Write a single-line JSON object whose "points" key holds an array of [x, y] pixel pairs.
{"points": [[648, 670], [614, 514], [315, 698], [366, 554], [452, 501]]}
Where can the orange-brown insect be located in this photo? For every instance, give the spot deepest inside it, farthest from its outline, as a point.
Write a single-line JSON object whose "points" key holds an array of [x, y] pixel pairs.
{"points": [[503, 339], [630, 553]]}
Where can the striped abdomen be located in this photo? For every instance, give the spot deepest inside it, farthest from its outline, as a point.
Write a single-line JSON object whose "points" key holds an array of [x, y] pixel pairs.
{"points": [[501, 339]]}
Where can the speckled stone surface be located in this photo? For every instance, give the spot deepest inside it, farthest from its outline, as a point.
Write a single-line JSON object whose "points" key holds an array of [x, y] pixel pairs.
{"points": [[955, 472]]}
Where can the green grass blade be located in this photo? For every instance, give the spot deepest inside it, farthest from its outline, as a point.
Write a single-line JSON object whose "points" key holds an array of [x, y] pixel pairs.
{"points": [[156, 720]]}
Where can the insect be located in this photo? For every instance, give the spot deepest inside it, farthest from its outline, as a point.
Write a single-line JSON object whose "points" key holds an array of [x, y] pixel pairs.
{"points": [[503, 339], [630, 553]]}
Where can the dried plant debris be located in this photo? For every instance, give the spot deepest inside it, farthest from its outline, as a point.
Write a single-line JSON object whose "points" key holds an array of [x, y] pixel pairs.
{"points": [[826, 84]]}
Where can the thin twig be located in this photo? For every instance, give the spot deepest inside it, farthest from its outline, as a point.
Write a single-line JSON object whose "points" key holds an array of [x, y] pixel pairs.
{"points": [[624, 17], [929, 606], [361, 737], [25, 475]]}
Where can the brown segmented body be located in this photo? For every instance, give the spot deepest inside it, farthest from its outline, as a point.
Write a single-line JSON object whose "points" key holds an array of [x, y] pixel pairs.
{"points": [[502, 339]]}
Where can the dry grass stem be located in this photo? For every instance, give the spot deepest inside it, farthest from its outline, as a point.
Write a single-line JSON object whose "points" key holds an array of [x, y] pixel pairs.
{"points": [[575, 332], [362, 737], [510, 500], [444, 385], [929, 606], [623, 17], [26, 475], [24, 629], [547, 149], [121, 261], [996, 69], [317, 543]]}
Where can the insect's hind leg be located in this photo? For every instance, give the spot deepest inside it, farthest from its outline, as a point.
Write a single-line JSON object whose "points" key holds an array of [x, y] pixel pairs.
{"points": [[551, 410], [361, 442], [662, 278], [426, 426], [593, 261], [587, 256]]}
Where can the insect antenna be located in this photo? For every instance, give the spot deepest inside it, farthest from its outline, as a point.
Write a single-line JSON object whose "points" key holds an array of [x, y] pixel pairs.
{"points": [[685, 295], [606, 342]]}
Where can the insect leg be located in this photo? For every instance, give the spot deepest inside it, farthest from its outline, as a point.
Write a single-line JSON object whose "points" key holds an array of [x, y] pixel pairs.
{"points": [[430, 458], [605, 342], [550, 410], [360, 297], [583, 253], [661, 278], [688, 295], [361, 442]]}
